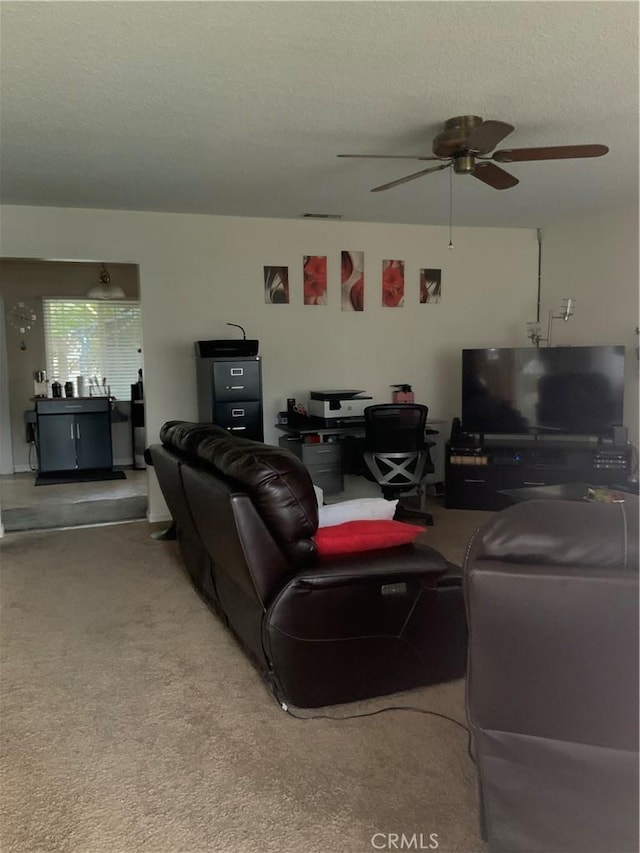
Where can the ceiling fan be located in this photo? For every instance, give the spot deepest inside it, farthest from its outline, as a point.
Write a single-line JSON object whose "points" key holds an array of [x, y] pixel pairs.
{"points": [[465, 144]]}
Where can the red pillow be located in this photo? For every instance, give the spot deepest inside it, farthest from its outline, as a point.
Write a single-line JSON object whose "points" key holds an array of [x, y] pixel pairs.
{"points": [[364, 536]]}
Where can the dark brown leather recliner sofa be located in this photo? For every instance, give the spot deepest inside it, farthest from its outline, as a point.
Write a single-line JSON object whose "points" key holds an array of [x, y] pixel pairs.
{"points": [[551, 590], [320, 631]]}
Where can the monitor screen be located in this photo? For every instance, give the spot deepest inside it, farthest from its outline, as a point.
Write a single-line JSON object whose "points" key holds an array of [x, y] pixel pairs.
{"points": [[554, 390]]}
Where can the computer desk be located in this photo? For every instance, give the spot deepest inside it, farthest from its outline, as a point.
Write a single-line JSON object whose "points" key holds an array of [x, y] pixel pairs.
{"points": [[308, 425], [324, 449]]}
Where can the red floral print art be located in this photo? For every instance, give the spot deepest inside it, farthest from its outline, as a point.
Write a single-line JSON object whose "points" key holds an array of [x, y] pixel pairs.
{"points": [[315, 280], [393, 284]]}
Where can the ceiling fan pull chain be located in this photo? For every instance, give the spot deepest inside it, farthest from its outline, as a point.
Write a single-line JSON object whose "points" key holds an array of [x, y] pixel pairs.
{"points": [[450, 207]]}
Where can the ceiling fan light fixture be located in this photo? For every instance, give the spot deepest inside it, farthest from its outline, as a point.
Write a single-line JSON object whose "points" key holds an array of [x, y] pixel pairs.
{"points": [[105, 289], [464, 164]]}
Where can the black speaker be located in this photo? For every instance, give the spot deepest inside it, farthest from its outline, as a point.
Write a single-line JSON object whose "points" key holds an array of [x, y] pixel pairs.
{"points": [[137, 413], [456, 430], [620, 435]]}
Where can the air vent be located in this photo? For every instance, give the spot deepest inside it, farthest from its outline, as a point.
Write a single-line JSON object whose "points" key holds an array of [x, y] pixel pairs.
{"points": [[322, 216]]}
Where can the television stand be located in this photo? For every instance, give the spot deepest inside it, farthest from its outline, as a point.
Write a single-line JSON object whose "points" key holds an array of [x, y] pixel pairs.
{"points": [[478, 470]]}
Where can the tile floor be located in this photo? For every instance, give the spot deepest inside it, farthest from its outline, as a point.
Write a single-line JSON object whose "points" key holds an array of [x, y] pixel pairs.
{"points": [[26, 506]]}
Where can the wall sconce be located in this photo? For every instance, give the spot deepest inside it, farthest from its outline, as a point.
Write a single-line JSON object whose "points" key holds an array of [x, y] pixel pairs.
{"points": [[534, 329], [105, 289]]}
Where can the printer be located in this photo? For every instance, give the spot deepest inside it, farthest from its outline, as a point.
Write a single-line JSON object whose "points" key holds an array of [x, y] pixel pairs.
{"points": [[338, 405]]}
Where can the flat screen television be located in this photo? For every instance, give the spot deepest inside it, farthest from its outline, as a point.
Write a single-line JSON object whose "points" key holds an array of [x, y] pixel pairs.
{"points": [[548, 391]]}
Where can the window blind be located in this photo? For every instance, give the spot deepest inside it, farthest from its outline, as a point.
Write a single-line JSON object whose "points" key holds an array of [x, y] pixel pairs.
{"points": [[93, 339]]}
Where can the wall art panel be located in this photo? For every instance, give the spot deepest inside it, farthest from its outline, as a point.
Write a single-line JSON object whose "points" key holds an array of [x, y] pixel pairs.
{"points": [[352, 281]]}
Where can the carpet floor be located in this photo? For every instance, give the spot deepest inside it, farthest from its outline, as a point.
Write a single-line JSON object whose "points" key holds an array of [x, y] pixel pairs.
{"points": [[132, 722]]}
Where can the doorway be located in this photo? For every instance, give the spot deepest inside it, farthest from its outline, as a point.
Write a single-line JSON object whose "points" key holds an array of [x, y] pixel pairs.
{"points": [[24, 284]]}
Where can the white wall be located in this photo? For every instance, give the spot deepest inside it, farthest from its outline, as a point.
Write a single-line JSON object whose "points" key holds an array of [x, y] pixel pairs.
{"points": [[199, 272], [6, 460], [595, 260]]}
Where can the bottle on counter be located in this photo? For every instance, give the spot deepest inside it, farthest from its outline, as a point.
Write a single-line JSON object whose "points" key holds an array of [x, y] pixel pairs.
{"points": [[68, 389], [56, 389]]}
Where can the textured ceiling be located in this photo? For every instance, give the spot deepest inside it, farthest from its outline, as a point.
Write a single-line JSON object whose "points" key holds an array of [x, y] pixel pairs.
{"points": [[239, 108]]}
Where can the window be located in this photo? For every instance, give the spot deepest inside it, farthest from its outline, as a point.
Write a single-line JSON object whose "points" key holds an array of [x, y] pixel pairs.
{"points": [[93, 339]]}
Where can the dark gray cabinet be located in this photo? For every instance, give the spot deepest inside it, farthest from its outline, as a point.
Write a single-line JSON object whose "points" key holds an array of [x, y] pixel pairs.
{"points": [[322, 460], [74, 434], [230, 394], [56, 442]]}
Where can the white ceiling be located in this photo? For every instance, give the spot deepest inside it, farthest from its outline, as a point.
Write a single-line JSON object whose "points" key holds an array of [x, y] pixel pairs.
{"points": [[239, 108]]}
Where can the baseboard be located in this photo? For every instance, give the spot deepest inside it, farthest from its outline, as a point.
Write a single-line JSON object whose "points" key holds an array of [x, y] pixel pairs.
{"points": [[153, 518], [23, 469]]}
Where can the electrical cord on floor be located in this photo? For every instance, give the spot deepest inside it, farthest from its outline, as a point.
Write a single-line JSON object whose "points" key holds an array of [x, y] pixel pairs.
{"points": [[460, 725], [275, 693], [288, 710]]}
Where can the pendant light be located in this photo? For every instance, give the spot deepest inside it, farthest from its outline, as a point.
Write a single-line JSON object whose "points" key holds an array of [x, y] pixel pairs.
{"points": [[105, 289]]}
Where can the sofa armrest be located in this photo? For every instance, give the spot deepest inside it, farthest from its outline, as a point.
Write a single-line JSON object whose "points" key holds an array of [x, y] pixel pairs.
{"points": [[405, 561], [562, 534], [365, 625], [551, 590]]}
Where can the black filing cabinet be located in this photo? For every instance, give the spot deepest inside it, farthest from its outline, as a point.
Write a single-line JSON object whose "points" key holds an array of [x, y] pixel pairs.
{"points": [[74, 434], [230, 394]]}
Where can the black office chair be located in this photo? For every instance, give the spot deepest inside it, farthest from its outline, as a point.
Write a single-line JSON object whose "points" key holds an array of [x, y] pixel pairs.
{"points": [[397, 455]]}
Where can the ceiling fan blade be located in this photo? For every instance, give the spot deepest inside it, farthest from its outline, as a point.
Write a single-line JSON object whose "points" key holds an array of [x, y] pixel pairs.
{"points": [[555, 152], [494, 176], [411, 177], [487, 135], [388, 157]]}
